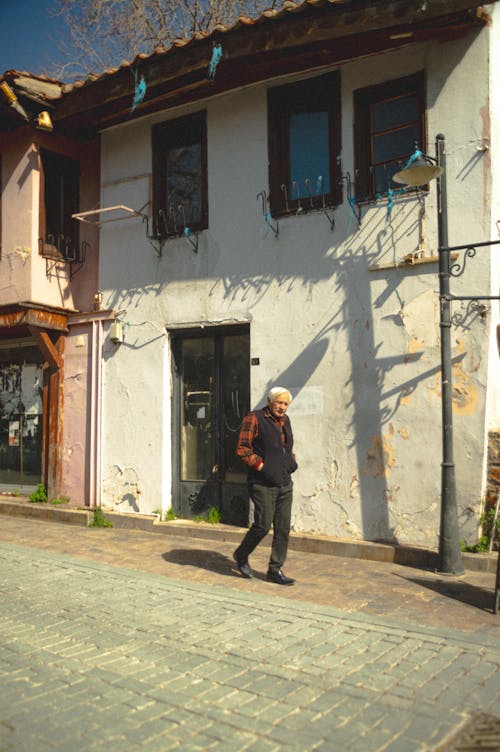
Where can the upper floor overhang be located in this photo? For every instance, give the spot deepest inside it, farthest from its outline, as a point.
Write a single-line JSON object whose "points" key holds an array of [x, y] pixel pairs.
{"points": [[23, 315]]}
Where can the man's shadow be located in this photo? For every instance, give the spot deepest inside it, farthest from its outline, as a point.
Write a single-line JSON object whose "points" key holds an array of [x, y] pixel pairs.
{"points": [[202, 558]]}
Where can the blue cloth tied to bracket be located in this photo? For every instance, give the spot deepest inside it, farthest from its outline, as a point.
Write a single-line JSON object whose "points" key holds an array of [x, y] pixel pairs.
{"points": [[214, 62]]}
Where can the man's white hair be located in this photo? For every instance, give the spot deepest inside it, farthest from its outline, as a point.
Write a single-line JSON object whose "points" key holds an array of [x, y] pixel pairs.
{"points": [[276, 392]]}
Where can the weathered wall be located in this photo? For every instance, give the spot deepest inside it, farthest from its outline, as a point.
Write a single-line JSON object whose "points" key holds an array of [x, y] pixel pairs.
{"points": [[77, 400], [493, 411], [357, 346], [18, 200], [25, 273]]}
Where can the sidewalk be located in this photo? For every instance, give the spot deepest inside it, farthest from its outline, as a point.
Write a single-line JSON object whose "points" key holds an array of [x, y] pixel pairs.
{"points": [[307, 543], [366, 579]]}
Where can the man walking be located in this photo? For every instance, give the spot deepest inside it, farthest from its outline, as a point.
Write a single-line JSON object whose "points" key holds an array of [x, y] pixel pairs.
{"points": [[265, 445]]}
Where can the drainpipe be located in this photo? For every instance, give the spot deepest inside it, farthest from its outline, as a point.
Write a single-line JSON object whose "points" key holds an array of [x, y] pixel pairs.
{"points": [[92, 420], [95, 415], [98, 438]]}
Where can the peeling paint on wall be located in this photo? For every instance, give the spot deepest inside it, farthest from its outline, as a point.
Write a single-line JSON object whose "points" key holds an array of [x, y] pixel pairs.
{"points": [[124, 489], [391, 493], [464, 391], [354, 487], [23, 252], [421, 318], [415, 345], [380, 456]]}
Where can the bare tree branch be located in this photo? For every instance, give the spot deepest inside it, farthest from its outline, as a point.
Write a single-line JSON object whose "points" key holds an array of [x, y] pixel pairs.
{"points": [[103, 33]]}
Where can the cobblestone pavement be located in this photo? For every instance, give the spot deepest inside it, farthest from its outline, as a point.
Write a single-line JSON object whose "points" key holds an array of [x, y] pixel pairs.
{"points": [[121, 640]]}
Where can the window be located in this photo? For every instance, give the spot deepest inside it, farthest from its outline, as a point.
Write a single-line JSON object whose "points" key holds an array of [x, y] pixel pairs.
{"points": [[60, 199], [304, 144], [389, 119], [180, 175]]}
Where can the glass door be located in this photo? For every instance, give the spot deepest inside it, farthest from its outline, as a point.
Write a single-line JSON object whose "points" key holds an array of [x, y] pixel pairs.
{"points": [[20, 417], [211, 398]]}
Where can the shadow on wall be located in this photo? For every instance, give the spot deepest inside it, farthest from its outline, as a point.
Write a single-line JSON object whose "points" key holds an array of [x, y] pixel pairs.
{"points": [[374, 401], [350, 307]]}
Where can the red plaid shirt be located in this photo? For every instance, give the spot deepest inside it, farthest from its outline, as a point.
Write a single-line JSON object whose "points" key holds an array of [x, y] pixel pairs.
{"points": [[248, 433]]}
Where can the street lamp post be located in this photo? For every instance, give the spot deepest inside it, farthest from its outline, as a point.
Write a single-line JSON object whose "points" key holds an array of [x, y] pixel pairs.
{"points": [[419, 171], [450, 557]]}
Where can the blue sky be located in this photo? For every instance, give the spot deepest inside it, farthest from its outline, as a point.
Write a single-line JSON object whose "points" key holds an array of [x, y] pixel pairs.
{"points": [[28, 35]]}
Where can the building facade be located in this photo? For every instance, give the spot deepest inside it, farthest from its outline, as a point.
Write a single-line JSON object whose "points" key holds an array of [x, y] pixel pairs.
{"points": [[50, 330], [251, 234]]}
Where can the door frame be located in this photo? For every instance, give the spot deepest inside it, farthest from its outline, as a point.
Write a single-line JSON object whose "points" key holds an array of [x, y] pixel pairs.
{"points": [[176, 337]]}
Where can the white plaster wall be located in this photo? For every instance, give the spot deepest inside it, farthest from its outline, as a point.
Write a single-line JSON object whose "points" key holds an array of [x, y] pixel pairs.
{"points": [[358, 348]]}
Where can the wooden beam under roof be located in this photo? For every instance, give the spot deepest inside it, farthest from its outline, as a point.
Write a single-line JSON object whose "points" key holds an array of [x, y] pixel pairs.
{"points": [[33, 315]]}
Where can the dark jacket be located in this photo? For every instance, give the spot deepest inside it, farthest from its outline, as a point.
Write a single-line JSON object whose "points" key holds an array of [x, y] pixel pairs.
{"points": [[279, 462]]}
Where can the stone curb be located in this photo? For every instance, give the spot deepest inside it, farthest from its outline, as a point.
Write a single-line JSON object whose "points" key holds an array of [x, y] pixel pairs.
{"points": [[413, 556]]}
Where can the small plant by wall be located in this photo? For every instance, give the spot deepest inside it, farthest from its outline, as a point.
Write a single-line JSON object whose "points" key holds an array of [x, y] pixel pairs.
{"points": [[60, 500], [487, 523], [212, 516], [99, 520], [39, 496]]}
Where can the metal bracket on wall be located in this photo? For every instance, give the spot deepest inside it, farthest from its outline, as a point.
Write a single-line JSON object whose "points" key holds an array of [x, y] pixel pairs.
{"points": [[187, 232], [189, 237], [355, 207], [155, 241], [267, 215], [172, 231]]}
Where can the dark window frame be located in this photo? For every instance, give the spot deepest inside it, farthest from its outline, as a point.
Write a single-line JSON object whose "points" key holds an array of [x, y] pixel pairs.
{"points": [[59, 199], [318, 94], [364, 100], [177, 133]]}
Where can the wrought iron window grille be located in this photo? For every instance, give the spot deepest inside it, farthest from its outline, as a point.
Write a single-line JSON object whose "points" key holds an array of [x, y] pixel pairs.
{"points": [[171, 224], [57, 249], [299, 202]]}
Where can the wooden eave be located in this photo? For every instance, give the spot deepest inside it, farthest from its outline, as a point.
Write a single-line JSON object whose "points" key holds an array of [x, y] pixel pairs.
{"points": [[299, 42], [22, 315]]}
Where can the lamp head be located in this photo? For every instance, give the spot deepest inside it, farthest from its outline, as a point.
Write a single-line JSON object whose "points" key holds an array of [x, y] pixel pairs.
{"points": [[7, 92], [419, 171], [44, 121]]}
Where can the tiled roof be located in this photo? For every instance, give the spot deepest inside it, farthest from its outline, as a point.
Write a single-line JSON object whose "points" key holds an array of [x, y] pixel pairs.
{"points": [[302, 28], [289, 7], [267, 16]]}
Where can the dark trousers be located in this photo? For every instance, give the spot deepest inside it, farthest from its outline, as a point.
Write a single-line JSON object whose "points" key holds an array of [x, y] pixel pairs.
{"points": [[272, 506]]}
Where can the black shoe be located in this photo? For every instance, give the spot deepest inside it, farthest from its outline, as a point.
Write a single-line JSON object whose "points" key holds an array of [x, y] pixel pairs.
{"points": [[277, 576], [244, 567]]}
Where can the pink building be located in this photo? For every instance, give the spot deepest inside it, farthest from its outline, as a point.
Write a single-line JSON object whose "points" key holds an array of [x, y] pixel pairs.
{"points": [[50, 317]]}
